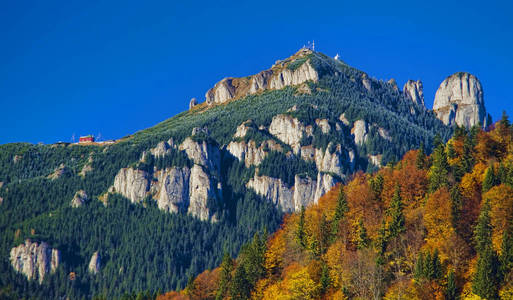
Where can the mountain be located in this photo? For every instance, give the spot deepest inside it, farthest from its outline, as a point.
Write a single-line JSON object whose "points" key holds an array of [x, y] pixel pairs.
{"points": [[427, 227], [161, 205]]}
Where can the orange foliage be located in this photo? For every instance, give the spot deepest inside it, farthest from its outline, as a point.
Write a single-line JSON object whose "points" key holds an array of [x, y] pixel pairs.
{"points": [[438, 220], [501, 202]]}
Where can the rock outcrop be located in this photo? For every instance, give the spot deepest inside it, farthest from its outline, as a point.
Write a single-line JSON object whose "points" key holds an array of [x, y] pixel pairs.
{"points": [[459, 100], [414, 91], [34, 260], [249, 153], [202, 153], [193, 103], [162, 148], [131, 183], [292, 71], [79, 199], [172, 189], [94, 263], [289, 130], [360, 132], [59, 172], [273, 190]]}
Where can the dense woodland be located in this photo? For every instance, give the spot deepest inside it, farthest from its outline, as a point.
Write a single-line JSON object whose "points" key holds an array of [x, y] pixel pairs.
{"points": [[427, 227], [145, 249]]}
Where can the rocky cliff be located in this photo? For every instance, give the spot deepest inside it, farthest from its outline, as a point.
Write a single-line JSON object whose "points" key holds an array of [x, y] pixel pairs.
{"points": [[94, 263], [79, 199], [459, 100], [414, 91], [177, 189], [295, 70], [34, 260]]}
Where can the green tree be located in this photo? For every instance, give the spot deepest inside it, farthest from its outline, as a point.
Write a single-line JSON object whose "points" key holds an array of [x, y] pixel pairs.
{"points": [[396, 225], [240, 288], [363, 240], [489, 180], [340, 211], [451, 292], [301, 231], [439, 172], [506, 258], [487, 276], [420, 161], [225, 277]]}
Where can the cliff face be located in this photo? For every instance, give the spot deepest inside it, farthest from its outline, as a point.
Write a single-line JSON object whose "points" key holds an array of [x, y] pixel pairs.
{"points": [[293, 71], [176, 189], [94, 263], [459, 100], [414, 91], [34, 260]]}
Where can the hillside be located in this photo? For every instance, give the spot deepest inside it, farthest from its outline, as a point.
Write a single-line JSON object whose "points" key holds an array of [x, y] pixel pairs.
{"points": [[427, 227], [164, 204]]}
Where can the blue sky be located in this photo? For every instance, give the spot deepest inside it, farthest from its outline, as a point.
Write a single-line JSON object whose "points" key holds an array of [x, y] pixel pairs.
{"points": [[113, 68]]}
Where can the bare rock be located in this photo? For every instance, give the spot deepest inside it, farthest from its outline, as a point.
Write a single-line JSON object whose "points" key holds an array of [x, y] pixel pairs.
{"points": [[200, 192], [131, 183], [172, 189], [459, 100], [325, 182], [95, 263], [360, 132], [79, 199], [249, 153], [324, 125], [304, 192], [59, 172], [202, 153], [414, 91], [366, 82], [273, 190], [289, 130], [193, 103], [34, 260]]}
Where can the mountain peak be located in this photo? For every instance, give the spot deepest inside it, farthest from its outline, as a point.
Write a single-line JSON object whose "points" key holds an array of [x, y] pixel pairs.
{"points": [[294, 70]]}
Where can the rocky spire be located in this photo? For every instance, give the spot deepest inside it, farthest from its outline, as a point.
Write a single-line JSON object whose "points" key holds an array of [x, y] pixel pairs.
{"points": [[459, 100], [413, 90]]}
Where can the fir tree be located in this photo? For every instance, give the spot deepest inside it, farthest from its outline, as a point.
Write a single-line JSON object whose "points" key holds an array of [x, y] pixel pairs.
{"points": [[451, 293], [395, 212], [240, 288], [421, 157], [439, 172], [506, 258], [325, 279], [455, 205], [226, 276], [363, 239], [489, 180], [487, 276], [300, 232], [340, 212]]}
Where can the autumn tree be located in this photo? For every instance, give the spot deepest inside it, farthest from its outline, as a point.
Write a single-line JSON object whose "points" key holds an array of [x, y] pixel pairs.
{"points": [[226, 276], [363, 240]]}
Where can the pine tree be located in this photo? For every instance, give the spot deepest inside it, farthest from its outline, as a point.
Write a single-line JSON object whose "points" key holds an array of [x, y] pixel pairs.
{"points": [[376, 185], [240, 288], [451, 153], [363, 239], [340, 212], [300, 232], [439, 172], [437, 265], [487, 276], [506, 258], [325, 279], [451, 293], [455, 205], [467, 161], [489, 180], [396, 225], [419, 267], [226, 276]]}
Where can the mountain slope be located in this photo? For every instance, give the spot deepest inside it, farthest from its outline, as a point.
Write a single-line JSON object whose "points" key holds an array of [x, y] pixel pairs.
{"points": [[166, 202]]}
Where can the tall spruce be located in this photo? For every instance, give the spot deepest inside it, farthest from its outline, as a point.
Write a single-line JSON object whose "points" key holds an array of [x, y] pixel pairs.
{"points": [[489, 180], [451, 292], [225, 277], [506, 258], [487, 276], [363, 240], [396, 224], [340, 211], [420, 161], [439, 172], [301, 231]]}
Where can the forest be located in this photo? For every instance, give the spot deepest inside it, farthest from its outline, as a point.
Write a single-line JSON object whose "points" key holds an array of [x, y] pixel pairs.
{"points": [[436, 226]]}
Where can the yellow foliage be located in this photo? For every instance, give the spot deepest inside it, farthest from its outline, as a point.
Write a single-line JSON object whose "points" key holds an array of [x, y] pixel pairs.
{"points": [[437, 219], [501, 202]]}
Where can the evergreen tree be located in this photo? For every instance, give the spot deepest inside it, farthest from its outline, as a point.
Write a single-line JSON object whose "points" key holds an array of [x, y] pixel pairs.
{"points": [[376, 185], [487, 276], [363, 239], [467, 161], [451, 293], [437, 266], [395, 213], [506, 258], [225, 277], [419, 267], [439, 172], [240, 288], [325, 279], [451, 153], [489, 180], [505, 120], [301, 231], [340, 211], [455, 205]]}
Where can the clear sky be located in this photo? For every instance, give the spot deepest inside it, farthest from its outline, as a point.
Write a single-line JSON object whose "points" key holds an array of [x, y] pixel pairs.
{"points": [[116, 67]]}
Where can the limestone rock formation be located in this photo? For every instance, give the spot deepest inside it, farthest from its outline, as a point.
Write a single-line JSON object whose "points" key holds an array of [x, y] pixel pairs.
{"points": [[325, 182], [274, 190], [163, 148], [304, 192], [193, 103], [131, 183], [359, 131], [289, 130], [59, 172], [34, 260], [249, 153], [414, 91], [94, 263], [200, 191], [172, 189], [459, 100], [202, 153], [292, 71], [79, 199]]}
